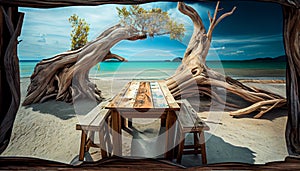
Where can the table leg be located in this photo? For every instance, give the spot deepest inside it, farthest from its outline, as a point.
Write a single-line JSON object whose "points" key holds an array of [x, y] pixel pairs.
{"points": [[116, 133], [129, 122], [163, 121], [170, 134]]}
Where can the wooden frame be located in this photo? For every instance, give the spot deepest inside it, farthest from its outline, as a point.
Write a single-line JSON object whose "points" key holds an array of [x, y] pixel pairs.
{"points": [[10, 28]]}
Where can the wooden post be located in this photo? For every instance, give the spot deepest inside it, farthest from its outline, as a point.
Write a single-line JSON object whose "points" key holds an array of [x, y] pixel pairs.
{"points": [[292, 46], [10, 28]]}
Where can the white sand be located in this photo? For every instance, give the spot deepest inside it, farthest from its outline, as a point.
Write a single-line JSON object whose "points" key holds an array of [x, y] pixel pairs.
{"points": [[47, 131]]}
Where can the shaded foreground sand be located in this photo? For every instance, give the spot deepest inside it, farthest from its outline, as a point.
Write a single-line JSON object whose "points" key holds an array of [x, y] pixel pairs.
{"points": [[47, 131]]}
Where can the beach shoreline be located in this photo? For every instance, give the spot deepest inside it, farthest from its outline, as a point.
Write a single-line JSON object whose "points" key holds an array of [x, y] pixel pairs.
{"points": [[47, 131]]}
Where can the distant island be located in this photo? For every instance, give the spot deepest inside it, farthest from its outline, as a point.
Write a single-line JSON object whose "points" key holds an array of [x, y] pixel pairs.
{"points": [[267, 59], [276, 59], [177, 59]]}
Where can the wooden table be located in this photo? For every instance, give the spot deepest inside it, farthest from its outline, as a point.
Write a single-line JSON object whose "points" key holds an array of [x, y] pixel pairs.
{"points": [[144, 100]]}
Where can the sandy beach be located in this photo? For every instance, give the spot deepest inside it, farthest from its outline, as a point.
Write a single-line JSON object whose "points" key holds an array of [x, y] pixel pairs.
{"points": [[47, 131]]}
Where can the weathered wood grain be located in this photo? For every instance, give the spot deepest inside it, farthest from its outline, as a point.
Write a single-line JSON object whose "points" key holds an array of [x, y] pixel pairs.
{"points": [[144, 95], [11, 24], [93, 120], [159, 100], [63, 3], [170, 134], [189, 119], [118, 98], [170, 99], [128, 99], [116, 133], [143, 98], [118, 163], [292, 47]]}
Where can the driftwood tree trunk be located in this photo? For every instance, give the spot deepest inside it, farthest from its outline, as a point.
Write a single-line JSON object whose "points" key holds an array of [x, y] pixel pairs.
{"points": [[194, 77], [65, 76], [292, 48], [9, 70]]}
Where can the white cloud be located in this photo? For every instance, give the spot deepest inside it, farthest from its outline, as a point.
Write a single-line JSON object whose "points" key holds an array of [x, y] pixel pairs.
{"points": [[248, 39], [152, 54], [46, 32], [238, 52], [162, 5], [218, 48]]}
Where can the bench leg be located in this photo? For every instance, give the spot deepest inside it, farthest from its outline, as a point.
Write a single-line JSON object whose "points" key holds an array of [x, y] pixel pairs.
{"points": [[180, 148], [108, 131], [177, 139], [203, 148], [102, 144], [108, 141], [82, 145], [90, 140], [196, 142]]}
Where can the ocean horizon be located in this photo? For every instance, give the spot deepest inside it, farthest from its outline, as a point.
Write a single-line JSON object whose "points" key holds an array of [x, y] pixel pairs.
{"points": [[164, 69]]}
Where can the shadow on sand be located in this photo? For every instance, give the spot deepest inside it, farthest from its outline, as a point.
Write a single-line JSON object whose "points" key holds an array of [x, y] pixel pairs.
{"points": [[217, 150], [59, 109], [64, 110]]}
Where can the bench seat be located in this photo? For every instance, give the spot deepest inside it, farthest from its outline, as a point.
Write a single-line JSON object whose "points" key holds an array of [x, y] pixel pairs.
{"points": [[95, 121], [189, 122]]}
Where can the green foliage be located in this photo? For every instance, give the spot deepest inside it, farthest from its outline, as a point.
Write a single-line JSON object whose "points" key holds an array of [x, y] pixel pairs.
{"points": [[150, 22], [79, 34]]}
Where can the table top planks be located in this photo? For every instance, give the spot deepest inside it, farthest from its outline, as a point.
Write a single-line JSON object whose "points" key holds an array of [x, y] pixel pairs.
{"points": [[129, 96], [168, 96], [144, 95], [118, 98], [159, 100], [143, 98]]}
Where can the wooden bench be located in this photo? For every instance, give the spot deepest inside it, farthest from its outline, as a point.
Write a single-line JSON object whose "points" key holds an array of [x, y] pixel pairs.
{"points": [[189, 122], [95, 121]]}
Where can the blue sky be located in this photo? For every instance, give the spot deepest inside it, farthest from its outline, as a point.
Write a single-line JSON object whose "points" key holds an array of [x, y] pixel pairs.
{"points": [[254, 30]]}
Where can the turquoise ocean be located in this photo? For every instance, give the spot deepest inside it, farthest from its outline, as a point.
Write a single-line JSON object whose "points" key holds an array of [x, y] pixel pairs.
{"points": [[161, 70]]}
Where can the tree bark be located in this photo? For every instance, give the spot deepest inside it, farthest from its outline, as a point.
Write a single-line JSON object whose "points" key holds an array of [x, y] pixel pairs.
{"points": [[9, 70], [65, 76], [292, 48], [110, 56], [193, 77]]}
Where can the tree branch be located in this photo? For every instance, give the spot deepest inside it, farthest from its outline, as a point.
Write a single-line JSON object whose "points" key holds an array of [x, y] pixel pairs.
{"points": [[189, 11], [209, 17], [224, 16], [215, 21], [114, 56], [216, 11]]}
